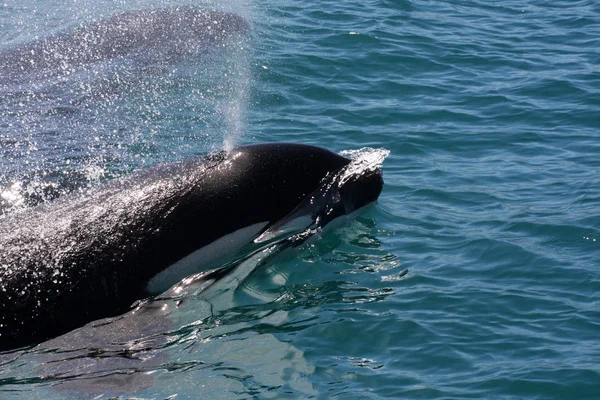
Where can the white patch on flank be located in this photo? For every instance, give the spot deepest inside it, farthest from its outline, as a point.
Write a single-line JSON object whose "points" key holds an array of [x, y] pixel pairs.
{"points": [[285, 228], [203, 258]]}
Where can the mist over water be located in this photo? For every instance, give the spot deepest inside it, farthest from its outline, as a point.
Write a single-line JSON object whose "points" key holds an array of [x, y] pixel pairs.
{"points": [[77, 124]]}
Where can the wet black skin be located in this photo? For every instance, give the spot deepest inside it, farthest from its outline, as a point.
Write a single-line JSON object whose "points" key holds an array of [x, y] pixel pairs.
{"points": [[89, 256]]}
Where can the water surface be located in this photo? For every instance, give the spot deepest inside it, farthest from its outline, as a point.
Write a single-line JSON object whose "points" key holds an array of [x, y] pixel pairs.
{"points": [[475, 276]]}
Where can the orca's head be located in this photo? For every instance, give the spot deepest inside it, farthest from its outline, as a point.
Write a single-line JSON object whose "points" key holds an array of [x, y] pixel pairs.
{"points": [[351, 189], [360, 189], [301, 186]]}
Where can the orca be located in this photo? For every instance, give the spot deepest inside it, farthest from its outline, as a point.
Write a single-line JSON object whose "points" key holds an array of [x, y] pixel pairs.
{"points": [[93, 254], [163, 34]]}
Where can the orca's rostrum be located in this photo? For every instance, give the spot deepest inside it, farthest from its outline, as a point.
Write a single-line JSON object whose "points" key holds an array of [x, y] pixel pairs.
{"points": [[92, 255]]}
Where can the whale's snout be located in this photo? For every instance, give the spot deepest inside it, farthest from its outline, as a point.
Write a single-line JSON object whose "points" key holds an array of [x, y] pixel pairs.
{"points": [[360, 190]]}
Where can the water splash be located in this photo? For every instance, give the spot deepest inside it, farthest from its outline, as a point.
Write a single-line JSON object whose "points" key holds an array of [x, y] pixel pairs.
{"points": [[364, 161], [96, 119]]}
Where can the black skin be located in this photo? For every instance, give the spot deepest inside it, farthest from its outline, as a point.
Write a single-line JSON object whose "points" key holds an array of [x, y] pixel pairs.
{"points": [[90, 256]]}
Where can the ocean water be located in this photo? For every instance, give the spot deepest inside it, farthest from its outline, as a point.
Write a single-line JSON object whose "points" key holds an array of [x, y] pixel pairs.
{"points": [[476, 275]]}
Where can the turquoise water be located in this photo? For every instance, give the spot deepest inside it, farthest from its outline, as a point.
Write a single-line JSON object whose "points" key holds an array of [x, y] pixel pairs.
{"points": [[475, 276]]}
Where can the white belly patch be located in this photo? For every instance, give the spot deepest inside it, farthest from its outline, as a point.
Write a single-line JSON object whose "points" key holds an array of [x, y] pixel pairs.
{"points": [[204, 258]]}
